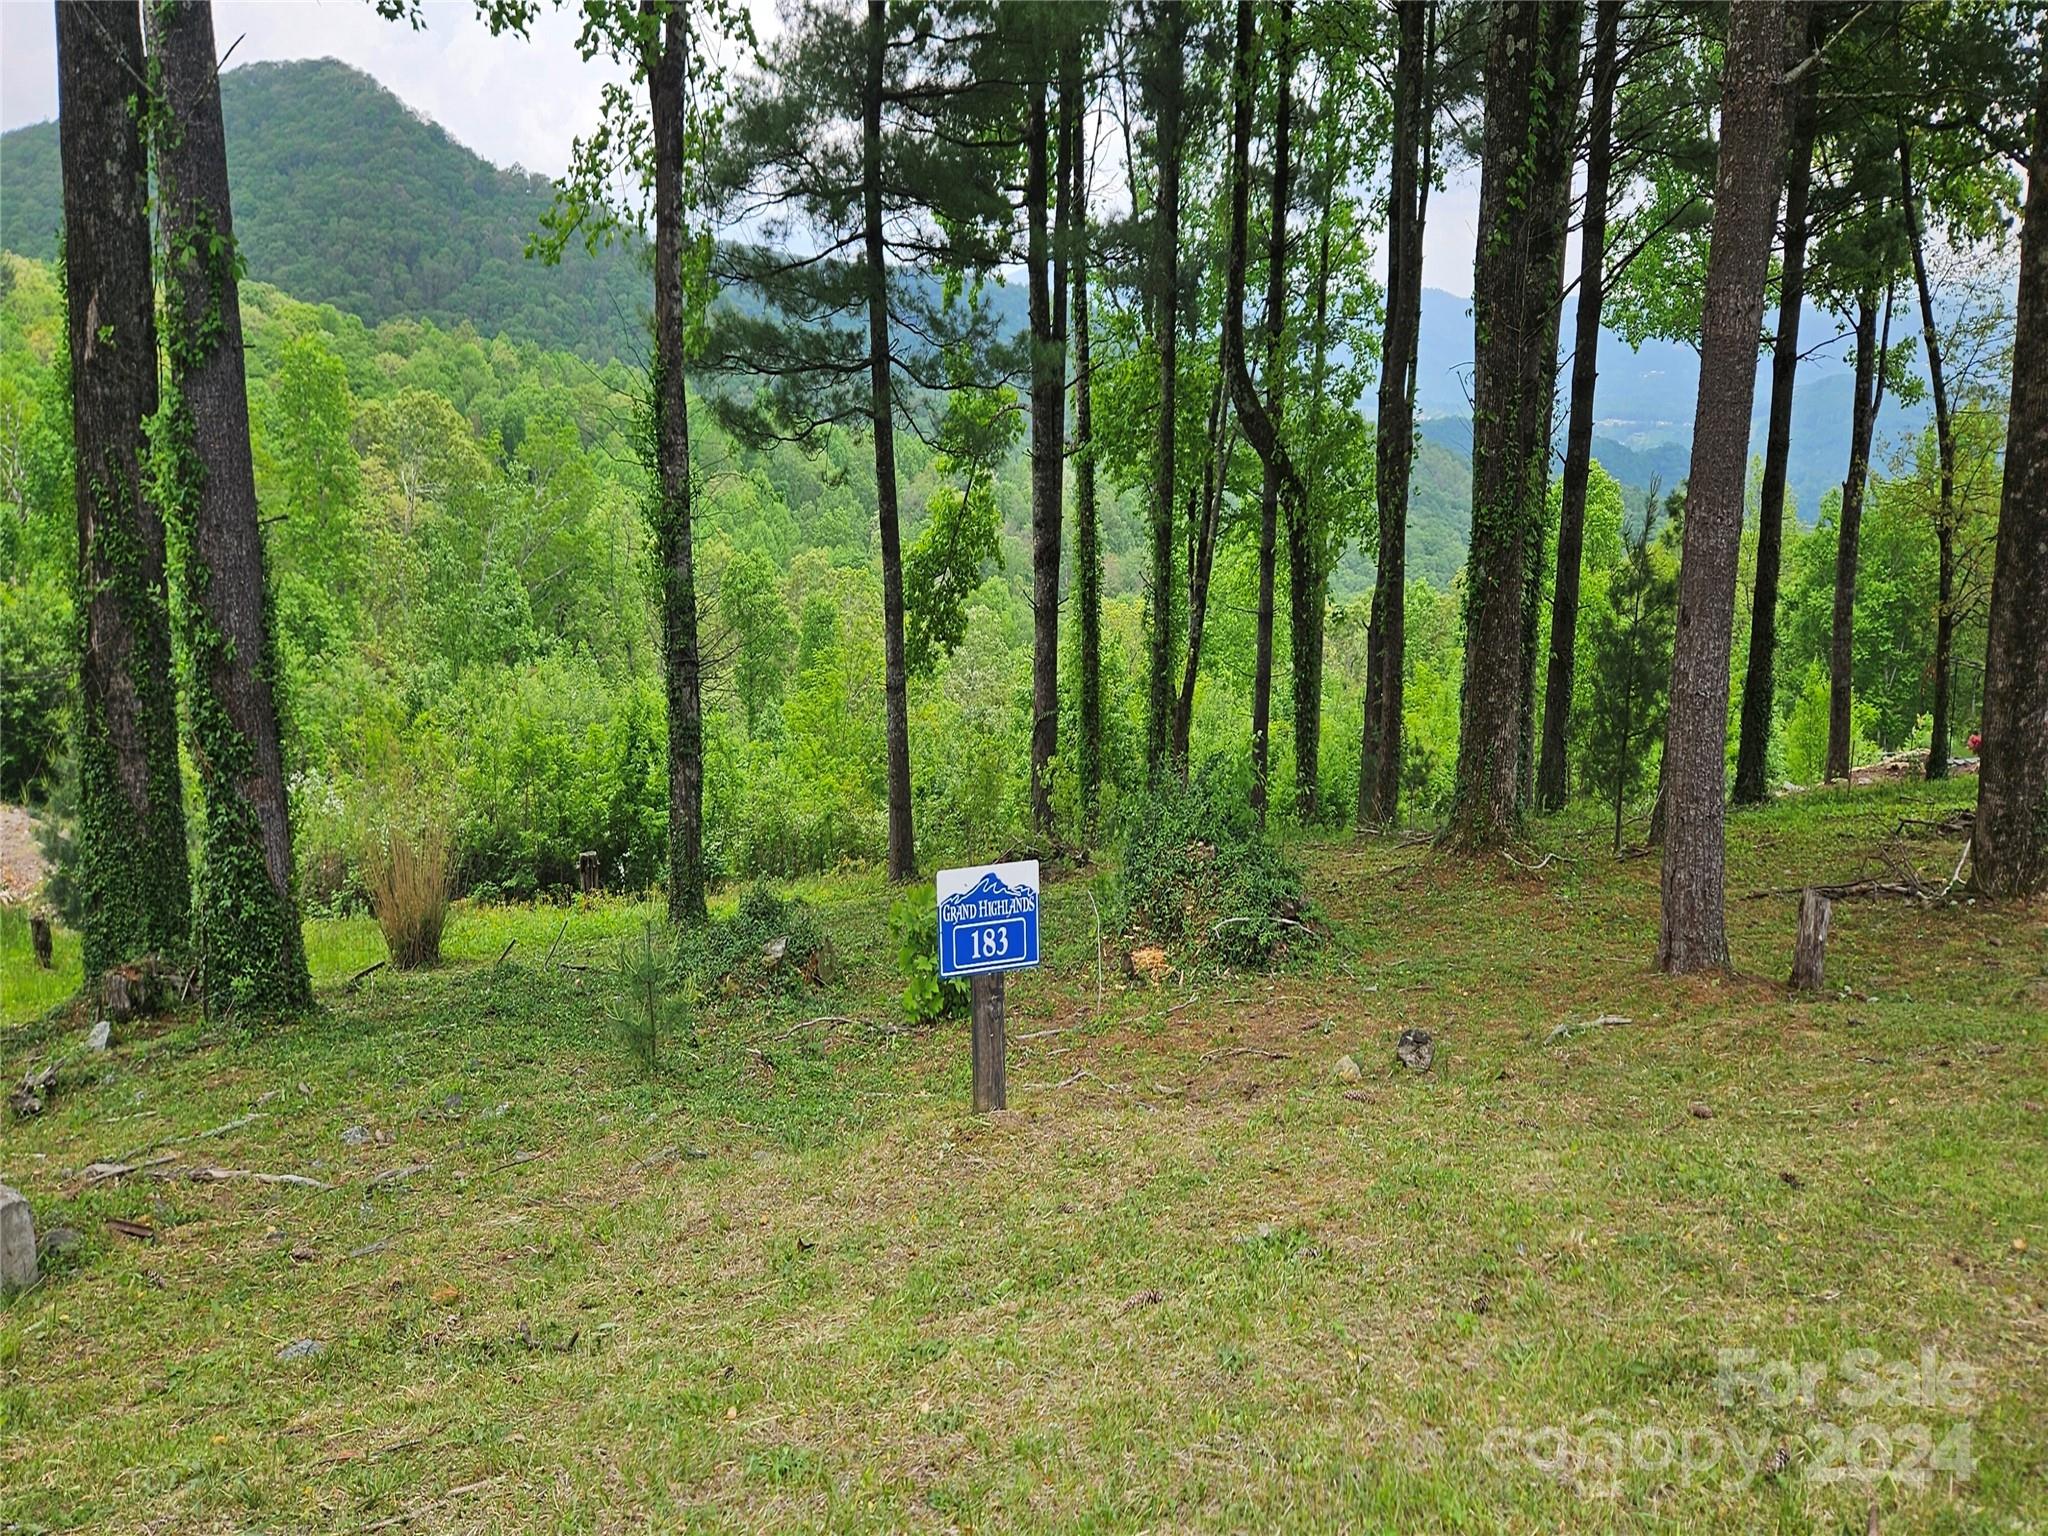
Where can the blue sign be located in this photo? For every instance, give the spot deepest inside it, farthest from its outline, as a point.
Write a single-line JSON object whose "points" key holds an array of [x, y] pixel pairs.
{"points": [[988, 918]]}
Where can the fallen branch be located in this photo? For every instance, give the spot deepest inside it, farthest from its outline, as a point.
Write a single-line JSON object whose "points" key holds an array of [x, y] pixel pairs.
{"points": [[824, 1018], [522, 1158], [393, 1175], [550, 960], [505, 951], [233, 1125], [1288, 921], [1957, 873], [102, 1173], [1571, 1027], [1963, 821], [222, 1175], [1245, 1050], [1065, 1082], [428, 1508], [368, 970]]}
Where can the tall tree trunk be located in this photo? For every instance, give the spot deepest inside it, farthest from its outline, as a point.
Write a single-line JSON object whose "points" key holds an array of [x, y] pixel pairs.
{"points": [[673, 539], [248, 922], [1307, 580], [1693, 928], [1166, 325], [2011, 838], [1531, 95], [1869, 394], [1276, 372], [1379, 773], [1205, 509], [1759, 684], [1552, 773], [1261, 426], [1540, 422], [1087, 526], [133, 871], [882, 419], [1945, 448], [1047, 300]]}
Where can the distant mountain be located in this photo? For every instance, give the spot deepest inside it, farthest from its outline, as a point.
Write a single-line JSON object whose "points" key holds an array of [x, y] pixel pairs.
{"points": [[1644, 402], [344, 195]]}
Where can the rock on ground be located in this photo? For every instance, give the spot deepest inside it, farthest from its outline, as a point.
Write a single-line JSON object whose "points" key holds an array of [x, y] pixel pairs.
{"points": [[17, 1241]]}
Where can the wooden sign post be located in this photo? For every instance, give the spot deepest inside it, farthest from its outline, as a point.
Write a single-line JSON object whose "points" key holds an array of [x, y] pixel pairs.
{"points": [[988, 924], [990, 1088]]}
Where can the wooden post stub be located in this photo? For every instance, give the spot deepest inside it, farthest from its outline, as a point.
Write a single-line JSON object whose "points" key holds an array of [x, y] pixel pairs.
{"points": [[1810, 952], [40, 937], [587, 873], [990, 1091]]}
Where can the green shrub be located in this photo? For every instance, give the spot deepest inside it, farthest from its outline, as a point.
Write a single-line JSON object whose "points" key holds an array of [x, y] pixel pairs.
{"points": [[771, 944], [914, 929], [1198, 874]]}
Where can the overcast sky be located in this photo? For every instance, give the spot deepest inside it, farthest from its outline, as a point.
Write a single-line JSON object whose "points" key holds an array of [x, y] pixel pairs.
{"points": [[514, 101]]}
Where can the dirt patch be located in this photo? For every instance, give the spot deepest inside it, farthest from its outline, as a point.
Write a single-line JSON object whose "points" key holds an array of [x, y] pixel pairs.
{"points": [[21, 861], [1904, 766]]}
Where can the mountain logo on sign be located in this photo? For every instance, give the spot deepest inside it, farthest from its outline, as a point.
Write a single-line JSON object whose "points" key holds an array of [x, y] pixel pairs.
{"points": [[988, 899]]}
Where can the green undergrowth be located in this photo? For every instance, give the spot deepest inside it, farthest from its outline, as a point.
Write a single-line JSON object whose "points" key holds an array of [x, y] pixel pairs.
{"points": [[1195, 1278]]}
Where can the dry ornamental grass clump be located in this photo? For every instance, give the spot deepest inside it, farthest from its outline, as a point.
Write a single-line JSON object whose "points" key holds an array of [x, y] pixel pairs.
{"points": [[405, 869]]}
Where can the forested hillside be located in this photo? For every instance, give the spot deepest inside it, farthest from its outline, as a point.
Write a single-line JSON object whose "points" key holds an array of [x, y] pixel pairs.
{"points": [[993, 831], [343, 195]]}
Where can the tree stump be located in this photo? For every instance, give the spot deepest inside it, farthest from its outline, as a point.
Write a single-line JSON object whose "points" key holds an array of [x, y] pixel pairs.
{"points": [[1810, 952], [41, 939], [132, 991], [587, 875]]}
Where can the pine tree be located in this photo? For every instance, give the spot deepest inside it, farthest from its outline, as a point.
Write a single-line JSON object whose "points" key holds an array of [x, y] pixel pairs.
{"points": [[2011, 837], [1087, 515], [248, 919], [1379, 778], [1531, 96], [1629, 641], [133, 872], [853, 151], [1165, 83], [1578, 453], [1260, 418], [1759, 684], [1693, 931]]}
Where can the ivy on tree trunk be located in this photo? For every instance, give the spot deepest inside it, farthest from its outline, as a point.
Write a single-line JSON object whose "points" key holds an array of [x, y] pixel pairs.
{"points": [[1531, 97], [133, 872], [248, 915], [667, 70]]}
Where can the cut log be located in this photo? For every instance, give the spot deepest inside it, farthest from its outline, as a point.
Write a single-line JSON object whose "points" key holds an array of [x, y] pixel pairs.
{"points": [[1810, 952], [41, 939]]}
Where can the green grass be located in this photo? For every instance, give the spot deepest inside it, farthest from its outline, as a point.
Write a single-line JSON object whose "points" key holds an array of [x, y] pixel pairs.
{"points": [[1192, 1279]]}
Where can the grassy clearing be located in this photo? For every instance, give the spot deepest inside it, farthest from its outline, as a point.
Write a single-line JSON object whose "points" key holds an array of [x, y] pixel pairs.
{"points": [[1193, 1279]]}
